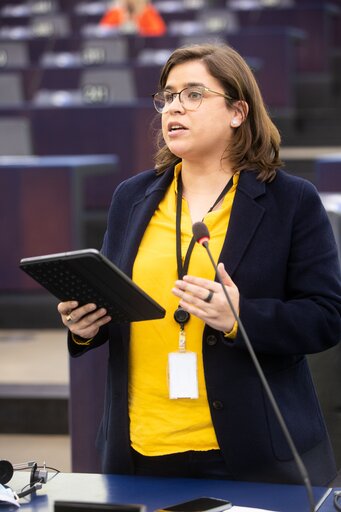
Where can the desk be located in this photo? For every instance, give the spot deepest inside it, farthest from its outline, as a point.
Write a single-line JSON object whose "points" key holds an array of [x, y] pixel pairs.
{"points": [[160, 492], [316, 20], [49, 204], [104, 129], [45, 206], [143, 78]]}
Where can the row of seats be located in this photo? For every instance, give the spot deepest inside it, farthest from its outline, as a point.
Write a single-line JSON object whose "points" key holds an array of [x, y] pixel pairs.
{"points": [[67, 95], [320, 25], [78, 86], [283, 45], [319, 20], [271, 52], [95, 130], [40, 74]]}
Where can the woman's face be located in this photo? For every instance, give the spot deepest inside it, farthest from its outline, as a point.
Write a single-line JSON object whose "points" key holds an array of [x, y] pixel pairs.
{"points": [[203, 134]]}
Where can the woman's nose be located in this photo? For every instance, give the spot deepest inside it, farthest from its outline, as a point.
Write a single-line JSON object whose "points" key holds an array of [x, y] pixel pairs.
{"points": [[176, 104]]}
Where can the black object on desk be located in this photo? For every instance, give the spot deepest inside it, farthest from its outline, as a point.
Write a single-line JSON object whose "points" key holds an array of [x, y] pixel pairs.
{"points": [[82, 506], [203, 504]]}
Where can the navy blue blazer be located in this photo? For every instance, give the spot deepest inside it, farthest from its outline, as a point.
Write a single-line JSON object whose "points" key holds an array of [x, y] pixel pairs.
{"points": [[281, 253]]}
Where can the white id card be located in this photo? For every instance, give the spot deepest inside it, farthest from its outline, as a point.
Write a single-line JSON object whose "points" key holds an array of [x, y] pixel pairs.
{"points": [[183, 375]]}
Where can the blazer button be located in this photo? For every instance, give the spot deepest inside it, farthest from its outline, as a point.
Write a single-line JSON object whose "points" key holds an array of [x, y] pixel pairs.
{"points": [[217, 404], [211, 340]]}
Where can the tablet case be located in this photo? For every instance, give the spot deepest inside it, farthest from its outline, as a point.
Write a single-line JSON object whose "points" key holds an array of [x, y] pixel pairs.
{"points": [[88, 276]]}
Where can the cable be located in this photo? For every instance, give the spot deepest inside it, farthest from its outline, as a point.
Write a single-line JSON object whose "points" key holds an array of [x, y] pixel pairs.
{"points": [[31, 489], [337, 500]]}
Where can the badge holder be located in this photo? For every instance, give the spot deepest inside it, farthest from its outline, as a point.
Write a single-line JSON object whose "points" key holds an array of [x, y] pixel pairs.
{"points": [[182, 365]]}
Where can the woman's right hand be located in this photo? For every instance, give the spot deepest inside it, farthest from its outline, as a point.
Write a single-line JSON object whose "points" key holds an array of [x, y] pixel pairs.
{"points": [[84, 321]]}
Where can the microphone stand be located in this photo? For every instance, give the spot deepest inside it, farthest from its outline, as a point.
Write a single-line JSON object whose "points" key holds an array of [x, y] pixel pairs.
{"points": [[298, 460]]}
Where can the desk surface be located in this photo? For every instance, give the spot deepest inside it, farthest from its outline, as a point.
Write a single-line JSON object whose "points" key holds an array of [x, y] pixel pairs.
{"points": [[160, 492], [23, 162]]}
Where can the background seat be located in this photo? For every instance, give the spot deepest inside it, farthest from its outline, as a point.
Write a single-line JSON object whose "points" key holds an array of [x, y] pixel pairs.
{"points": [[11, 91], [15, 136], [113, 85], [13, 53]]}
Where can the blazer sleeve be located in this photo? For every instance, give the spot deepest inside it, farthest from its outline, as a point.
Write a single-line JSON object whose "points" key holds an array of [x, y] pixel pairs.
{"points": [[307, 318], [78, 350]]}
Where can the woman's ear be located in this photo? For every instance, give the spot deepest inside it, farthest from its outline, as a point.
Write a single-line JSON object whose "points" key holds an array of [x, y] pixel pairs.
{"points": [[240, 111]]}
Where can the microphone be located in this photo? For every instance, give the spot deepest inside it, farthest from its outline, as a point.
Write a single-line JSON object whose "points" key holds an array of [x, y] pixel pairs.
{"points": [[37, 477], [202, 236], [31, 490]]}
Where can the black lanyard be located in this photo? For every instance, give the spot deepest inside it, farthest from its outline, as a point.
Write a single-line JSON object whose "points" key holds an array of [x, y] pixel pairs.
{"points": [[182, 269]]}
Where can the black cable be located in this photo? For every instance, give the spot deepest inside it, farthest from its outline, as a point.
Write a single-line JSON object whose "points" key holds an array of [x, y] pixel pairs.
{"points": [[31, 488]]}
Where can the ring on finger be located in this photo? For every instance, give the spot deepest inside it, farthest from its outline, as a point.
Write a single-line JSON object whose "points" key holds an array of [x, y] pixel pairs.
{"points": [[209, 296], [69, 318]]}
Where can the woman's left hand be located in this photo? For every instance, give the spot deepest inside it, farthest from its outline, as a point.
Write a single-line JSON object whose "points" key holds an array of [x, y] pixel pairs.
{"points": [[206, 299]]}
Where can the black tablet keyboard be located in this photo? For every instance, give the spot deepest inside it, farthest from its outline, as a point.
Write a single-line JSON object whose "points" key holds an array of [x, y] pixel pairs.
{"points": [[66, 284], [89, 277]]}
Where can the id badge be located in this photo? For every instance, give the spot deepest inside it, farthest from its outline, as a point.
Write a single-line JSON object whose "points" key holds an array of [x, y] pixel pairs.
{"points": [[183, 375]]}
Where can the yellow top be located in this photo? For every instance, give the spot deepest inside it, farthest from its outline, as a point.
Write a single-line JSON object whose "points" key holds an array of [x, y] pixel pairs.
{"points": [[160, 425]]}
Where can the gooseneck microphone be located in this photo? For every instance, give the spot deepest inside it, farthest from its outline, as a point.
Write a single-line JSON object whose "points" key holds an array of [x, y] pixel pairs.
{"points": [[202, 236]]}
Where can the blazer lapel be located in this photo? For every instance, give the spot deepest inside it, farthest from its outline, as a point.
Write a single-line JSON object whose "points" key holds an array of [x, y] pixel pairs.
{"points": [[142, 211], [246, 216]]}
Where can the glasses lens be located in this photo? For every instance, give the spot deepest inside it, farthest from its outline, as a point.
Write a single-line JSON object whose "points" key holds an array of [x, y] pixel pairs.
{"points": [[191, 98], [159, 101]]}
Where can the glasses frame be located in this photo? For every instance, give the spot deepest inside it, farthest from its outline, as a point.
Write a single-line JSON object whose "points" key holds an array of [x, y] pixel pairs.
{"points": [[200, 88]]}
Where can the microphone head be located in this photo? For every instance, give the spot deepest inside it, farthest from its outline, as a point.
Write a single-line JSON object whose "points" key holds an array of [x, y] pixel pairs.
{"points": [[200, 233]]}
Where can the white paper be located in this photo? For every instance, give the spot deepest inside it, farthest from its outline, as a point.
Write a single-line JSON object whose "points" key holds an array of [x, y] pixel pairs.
{"points": [[7, 496], [245, 509]]}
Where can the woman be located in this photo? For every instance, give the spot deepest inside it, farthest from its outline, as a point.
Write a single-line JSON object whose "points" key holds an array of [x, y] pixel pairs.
{"points": [[137, 16], [183, 397]]}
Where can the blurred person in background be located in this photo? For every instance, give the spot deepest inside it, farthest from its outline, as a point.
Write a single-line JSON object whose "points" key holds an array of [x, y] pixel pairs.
{"points": [[135, 16]]}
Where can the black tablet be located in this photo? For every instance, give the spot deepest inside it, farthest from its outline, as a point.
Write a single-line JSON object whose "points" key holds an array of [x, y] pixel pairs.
{"points": [[88, 276]]}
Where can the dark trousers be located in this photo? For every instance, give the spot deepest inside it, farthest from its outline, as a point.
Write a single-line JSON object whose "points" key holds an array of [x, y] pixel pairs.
{"points": [[191, 464]]}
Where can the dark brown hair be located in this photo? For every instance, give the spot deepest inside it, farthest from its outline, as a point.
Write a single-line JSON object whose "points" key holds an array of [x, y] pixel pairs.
{"points": [[255, 144]]}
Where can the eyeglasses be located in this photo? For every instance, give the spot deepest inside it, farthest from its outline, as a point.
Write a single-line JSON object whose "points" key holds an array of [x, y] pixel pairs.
{"points": [[190, 98]]}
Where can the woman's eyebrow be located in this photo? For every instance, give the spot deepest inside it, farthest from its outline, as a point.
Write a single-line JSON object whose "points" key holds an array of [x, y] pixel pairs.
{"points": [[189, 84]]}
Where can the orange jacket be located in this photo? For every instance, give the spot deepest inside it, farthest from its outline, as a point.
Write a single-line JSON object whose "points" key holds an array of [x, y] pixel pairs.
{"points": [[148, 21]]}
